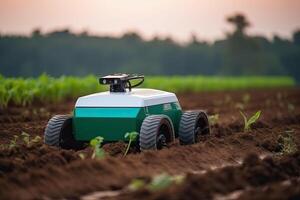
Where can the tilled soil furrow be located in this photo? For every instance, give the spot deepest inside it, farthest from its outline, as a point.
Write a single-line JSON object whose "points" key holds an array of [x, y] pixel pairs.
{"points": [[253, 173], [107, 174], [39, 171], [287, 189], [114, 173]]}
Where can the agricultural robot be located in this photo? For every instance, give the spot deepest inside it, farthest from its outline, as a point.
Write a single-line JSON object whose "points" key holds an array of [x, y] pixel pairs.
{"points": [[154, 114]]}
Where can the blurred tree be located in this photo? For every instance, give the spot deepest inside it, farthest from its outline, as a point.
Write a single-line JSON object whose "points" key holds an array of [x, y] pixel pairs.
{"points": [[289, 52], [244, 55], [60, 33], [132, 36], [63, 52], [36, 33], [296, 37], [240, 23]]}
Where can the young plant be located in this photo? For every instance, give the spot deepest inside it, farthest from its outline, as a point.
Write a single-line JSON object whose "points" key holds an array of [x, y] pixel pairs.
{"points": [[136, 184], [132, 136], [213, 119], [81, 156], [164, 180], [25, 137], [36, 139], [252, 120], [157, 182], [27, 141], [13, 142], [160, 182], [96, 143], [287, 143], [246, 98]]}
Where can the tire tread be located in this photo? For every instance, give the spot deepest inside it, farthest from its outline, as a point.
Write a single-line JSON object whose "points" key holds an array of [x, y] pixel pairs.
{"points": [[53, 129], [148, 132]]}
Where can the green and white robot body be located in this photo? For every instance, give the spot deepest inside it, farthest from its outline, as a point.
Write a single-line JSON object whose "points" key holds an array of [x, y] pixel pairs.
{"points": [[156, 115]]}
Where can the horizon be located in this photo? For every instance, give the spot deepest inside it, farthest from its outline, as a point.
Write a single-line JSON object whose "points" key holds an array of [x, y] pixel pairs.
{"points": [[160, 37], [177, 19]]}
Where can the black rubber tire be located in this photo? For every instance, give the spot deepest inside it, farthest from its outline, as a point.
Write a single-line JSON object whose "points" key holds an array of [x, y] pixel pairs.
{"points": [[53, 130], [59, 133], [192, 124], [152, 127]]}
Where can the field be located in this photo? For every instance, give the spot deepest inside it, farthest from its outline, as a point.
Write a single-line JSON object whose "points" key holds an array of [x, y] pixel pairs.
{"points": [[262, 163], [46, 89]]}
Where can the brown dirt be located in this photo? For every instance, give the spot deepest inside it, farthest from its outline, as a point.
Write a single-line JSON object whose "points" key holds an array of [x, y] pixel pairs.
{"points": [[37, 171], [253, 175]]}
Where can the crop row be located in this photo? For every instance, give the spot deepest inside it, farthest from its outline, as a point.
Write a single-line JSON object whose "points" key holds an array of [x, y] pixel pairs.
{"points": [[23, 91]]}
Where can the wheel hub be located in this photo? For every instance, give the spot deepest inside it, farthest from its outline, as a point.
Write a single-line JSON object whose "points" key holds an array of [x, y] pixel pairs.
{"points": [[161, 141]]}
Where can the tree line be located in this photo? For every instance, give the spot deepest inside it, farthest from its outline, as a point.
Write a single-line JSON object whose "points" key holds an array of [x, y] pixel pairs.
{"points": [[62, 52]]}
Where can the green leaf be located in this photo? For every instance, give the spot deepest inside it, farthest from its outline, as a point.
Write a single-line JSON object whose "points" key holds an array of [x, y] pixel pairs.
{"points": [[246, 98], [25, 137], [13, 142], [36, 139], [99, 153], [96, 144], [24, 134], [126, 136], [178, 179], [82, 156], [131, 136], [254, 118], [213, 119], [160, 182], [136, 184], [97, 141], [245, 120]]}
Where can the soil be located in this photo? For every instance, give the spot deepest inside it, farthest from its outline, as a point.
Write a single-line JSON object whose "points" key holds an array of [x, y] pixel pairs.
{"points": [[251, 180], [37, 171]]}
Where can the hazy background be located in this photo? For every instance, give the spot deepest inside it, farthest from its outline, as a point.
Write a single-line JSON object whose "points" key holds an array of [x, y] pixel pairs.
{"points": [[178, 18], [162, 37]]}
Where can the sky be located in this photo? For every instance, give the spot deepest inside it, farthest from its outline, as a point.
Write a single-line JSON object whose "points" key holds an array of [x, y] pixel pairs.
{"points": [[176, 18]]}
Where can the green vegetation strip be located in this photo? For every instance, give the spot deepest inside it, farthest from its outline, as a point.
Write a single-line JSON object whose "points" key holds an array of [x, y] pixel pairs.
{"points": [[46, 89]]}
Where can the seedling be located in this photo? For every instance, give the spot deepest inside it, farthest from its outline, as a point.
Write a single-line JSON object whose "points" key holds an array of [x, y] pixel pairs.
{"points": [[4, 97], [178, 179], [252, 120], [158, 182], [25, 137], [163, 181], [136, 184], [98, 152], [287, 143], [13, 142], [82, 156], [213, 119], [246, 98], [132, 136], [36, 139], [27, 141]]}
